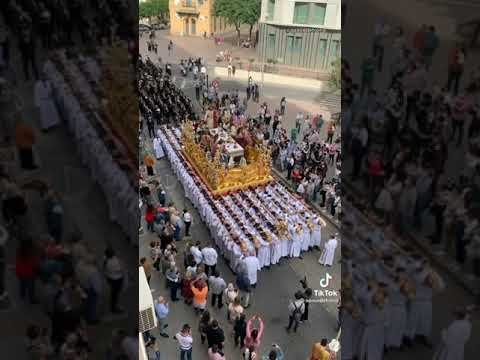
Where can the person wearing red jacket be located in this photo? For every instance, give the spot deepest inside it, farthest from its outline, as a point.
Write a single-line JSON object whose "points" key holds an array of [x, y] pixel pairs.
{"points": [[150, 217], [26, 266]]}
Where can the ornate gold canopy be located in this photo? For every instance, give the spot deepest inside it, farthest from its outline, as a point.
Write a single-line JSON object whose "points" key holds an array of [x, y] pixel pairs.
{"points": [[219, 179]]}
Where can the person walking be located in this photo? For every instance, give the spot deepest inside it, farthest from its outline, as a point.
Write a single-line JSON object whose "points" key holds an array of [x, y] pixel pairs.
{"points": [[187, 220], [296, 309], [173, 281], [243, 285], [319, 351], [254, 334], [200, 293], [114, 273], [185, 342], [217, 287], [147, 268], [275, 353], [216, 353], [240, 330], [456, 65], [283, 106], [162, 310], [26, 267], [210, 257], [215, 335], [25, 140], [203, 325]]}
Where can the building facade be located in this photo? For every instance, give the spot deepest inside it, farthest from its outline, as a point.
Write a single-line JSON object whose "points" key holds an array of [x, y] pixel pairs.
{"points": [[194, 18], [304, 34]]}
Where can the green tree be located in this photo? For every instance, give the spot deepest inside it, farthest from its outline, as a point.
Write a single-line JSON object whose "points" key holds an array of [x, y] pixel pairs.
{"points": [[238, 12], [153, 8], [335, 75]]}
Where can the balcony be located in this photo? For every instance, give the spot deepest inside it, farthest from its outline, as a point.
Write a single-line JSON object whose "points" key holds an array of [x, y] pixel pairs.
{"points": [[190, 7]]}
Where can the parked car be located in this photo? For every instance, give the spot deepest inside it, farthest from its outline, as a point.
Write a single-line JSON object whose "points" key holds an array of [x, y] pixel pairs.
{"points": [[144, 28], [159, 26]]}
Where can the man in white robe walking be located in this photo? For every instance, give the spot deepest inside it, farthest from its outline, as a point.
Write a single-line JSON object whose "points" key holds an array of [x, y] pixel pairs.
{"points": [[44, 102], [328, 254], [157, 146]]}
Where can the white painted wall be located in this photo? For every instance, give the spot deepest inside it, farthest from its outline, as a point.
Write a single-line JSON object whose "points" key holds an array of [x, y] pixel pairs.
{"points": [[284, 10]]}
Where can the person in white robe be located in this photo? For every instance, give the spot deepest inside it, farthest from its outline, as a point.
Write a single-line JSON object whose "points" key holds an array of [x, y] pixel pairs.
{"points": [[276, 250], [297, 237], [263, 253], [316, 236], [328, 253], [376, 320], [157, 146], [398, 316], [455, 337], [420, 314], [252, 265], [44, 102], [351, 330], [305, 237]]}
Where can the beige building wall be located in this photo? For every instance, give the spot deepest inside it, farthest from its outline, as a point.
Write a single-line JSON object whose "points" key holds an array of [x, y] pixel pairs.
{"points": [[195, 18]]}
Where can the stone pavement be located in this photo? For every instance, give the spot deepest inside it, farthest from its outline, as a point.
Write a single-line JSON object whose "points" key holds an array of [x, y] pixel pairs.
{"points": [[190, 46], [270, 299]]}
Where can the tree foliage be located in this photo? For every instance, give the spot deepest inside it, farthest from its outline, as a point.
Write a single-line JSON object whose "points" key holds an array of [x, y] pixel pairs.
{"points": [[335, 76], [152, 8], [238, 12]]}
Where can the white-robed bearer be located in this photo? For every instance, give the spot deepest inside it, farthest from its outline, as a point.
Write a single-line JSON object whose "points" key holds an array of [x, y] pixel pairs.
{"points": [[400, 291], [420, 315], [316, 234], [306, 228], [455, 336], [328, 253], [252, 265], [297, 237], [376, 321], [263, 253], [351, 330], [49, 116], [157, 146]]}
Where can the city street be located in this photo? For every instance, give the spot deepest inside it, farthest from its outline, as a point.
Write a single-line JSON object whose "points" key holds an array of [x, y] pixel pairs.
{"points": [[276, 285]]}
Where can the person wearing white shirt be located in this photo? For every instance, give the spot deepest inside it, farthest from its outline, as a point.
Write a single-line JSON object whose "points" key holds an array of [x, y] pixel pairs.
{"points": [[197, 254], [210, 257], [455, 337], [187, 219], [114, 273], [185, 341]]}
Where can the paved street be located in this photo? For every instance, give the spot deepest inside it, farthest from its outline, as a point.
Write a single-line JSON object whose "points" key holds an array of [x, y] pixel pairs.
{"points": [[277, 285]]}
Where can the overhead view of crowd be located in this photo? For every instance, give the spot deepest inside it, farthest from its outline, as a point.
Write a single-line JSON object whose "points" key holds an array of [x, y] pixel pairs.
{"points": [[60, 277], [188, 267], [402, 139]]}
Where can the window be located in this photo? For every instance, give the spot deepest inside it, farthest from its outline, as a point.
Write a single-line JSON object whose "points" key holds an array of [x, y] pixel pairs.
{"points": [[322, 49], [271, 46], [270, 10], [300, 13], [318, 14], [334, 51]]}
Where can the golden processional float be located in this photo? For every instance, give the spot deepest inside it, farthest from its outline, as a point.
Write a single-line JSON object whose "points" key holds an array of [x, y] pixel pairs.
{"points": [[219, 179], [120, 98]]}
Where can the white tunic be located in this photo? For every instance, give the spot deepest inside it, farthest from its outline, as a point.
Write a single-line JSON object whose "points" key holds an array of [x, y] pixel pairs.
{"points": [[296, 247], [44, 102], [253, 265], [157, 146], [328, 253], [454, 339]]}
